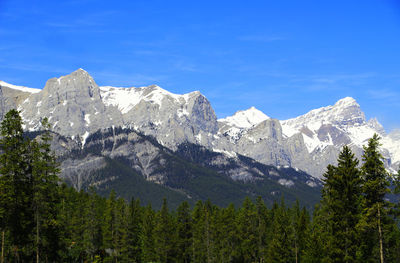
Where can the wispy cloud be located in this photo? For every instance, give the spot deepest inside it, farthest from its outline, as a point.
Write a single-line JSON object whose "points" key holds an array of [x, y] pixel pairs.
{"points": [[147, 53], [387, 95], [333, 81], [93, 20], [182, 65], [35, 68], [260, 38]]}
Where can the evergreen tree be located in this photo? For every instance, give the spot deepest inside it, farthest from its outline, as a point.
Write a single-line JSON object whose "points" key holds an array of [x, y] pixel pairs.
{"points": [[165, 235], [45, 196], [92, 232], [341, 204], [396, 191], [375, 207], [247, 230], [134, 231], [148, 240], [280, 248], [16, 186], [317, 243], [110, 228], [300, 221], [184, 228], [227, 237], [209, 231], [199, 248], [121, 227]]}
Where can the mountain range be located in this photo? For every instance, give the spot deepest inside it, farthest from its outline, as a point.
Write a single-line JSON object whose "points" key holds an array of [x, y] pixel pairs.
{"points": [[141, 128]]}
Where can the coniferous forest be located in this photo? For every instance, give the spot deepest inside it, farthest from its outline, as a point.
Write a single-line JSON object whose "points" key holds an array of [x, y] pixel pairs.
{"points": [[44, 220]]}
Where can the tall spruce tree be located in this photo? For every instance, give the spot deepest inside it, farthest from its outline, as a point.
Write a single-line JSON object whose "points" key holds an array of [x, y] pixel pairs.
{"points": [[341, 205], [198, 246], [92, 238], [16, 185], [110, 228], [247, 226], [300, 221], [280, 248], [227, 236], [45, 196], [149, 253], [134, 231], [396, 191], [165, 235], [184, 228], [262, 229], [375, 207], [203, 216], [317, 243]]}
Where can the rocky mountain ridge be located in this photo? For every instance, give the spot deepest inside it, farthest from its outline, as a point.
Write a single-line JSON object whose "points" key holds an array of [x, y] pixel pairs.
{"points": [[77, 107]]}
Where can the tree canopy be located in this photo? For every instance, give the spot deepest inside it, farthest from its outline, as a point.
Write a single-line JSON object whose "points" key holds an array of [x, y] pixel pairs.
{"points": [[44, 220]]}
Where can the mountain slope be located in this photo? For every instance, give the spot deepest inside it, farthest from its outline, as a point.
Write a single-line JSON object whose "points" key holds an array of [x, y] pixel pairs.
{"points": [[329, 128], [137, 165], [77, 107]]}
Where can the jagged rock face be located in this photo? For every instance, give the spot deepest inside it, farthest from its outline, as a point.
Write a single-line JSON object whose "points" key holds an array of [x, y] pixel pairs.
{"points": [[253, 134], [235, 126], [73, 105], [309, 142], [264, 143], [326, 130], [144, 157], [11, 96], [172, 119], [149, 159], [346, 112], [77, 106], [77, 171]]}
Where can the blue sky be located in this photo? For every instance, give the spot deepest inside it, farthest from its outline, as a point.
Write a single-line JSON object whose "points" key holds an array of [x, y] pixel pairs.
{"points": [[283, 57]]}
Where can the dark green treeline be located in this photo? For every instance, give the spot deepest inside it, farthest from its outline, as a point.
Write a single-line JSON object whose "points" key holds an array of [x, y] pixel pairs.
{"points": [[45, 221]]}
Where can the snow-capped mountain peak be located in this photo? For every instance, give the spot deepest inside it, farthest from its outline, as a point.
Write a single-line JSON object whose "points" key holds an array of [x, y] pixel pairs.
{"points": [[76, 105], [343, 113], [346, 102], [338, 125], [20, 88], [126, 99], [246, 118]]}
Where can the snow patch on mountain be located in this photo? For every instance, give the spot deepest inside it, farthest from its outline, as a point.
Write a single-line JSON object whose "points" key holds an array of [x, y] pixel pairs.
{"points": [[287, 183], [245, 119], [126, 99], [345, 116], [347, 122], [314, 142], [235, 126], [346, 111], [230, 154], [20, 88]]}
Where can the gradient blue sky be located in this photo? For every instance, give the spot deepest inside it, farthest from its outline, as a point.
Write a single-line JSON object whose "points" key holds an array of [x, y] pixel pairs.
{"points": [[283, 57]]}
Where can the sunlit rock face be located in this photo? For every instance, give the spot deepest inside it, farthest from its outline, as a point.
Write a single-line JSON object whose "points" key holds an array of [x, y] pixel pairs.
{"points": [[77, 107]]}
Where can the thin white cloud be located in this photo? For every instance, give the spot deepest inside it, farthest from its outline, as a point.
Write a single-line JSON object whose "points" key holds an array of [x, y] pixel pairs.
{"points": [[387, 95], [89, 20], [260, 38], [182, 65], [34, 68]]}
